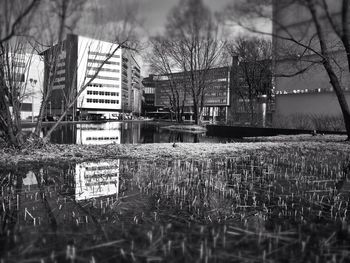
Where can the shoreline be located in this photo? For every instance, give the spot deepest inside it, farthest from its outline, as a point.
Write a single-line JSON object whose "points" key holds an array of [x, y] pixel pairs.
{"points": [[79, 153]]}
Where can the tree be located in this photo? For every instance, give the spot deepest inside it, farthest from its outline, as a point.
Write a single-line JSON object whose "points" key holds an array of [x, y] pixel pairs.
{"points": [[162, 62], [15, 19], [124, 32], [43, 34], [193, 48], [254, 70], [323, 40]]}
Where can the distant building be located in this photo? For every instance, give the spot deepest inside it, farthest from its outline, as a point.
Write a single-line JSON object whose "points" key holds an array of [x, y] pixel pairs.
{"points": [[310, 93], [27, 76], [113, 91], [149, 95], [216, 99], [222, 100]]}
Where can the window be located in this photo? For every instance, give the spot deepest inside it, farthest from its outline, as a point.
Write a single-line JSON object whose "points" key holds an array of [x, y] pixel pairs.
{"points": [[95, 100], [107, 93], [101, 101], [95, 92], [103, 61], [89, 100], [102, 93], [102, 77], [117, 101], [89, 92]]}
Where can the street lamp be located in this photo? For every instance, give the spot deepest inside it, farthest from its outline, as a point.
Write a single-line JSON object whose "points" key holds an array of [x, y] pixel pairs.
{"points": [[33, 84]]}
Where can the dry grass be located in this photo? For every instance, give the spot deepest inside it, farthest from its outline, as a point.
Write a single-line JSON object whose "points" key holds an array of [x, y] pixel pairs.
{"points": [[57, 153]]}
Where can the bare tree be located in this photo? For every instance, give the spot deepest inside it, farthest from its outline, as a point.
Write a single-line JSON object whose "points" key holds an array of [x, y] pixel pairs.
{"points": [[162, 63], [254, 72], [124, 32], [193, 48], [48, 33], [316, 42], [15, 19]]}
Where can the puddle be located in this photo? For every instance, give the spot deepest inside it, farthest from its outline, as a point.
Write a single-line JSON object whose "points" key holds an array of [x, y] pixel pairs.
{"points": [[251, 208]]}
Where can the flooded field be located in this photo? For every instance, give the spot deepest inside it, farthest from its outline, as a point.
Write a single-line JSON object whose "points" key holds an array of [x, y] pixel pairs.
{"points": [[275, 206]]}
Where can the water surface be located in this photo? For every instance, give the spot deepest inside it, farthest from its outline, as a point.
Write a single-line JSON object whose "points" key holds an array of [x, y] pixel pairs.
{"points": [[270, 207]]}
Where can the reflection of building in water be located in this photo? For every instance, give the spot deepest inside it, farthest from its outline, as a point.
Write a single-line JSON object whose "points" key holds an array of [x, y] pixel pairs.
{"points": [[108, 133], [96, 179]]}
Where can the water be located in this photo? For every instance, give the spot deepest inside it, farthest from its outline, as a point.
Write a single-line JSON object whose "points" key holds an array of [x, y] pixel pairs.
{"points": [[270, 207], [123, 133]]}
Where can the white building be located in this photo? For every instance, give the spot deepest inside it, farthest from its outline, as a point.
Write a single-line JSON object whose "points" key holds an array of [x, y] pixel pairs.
{"points": [[101, 69], [28, 76]]}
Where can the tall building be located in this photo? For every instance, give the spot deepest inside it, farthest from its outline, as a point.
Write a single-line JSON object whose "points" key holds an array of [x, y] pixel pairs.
{"points": [[109, 84], [309, 94]]}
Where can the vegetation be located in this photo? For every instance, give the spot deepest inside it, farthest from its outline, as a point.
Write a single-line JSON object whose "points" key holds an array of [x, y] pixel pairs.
{"points": [[252, 77], [33, 27], [275, 204], [190, 45]]}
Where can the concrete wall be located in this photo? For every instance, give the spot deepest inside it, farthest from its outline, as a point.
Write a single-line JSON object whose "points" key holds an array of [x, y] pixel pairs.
{"points": [[325, 103]]}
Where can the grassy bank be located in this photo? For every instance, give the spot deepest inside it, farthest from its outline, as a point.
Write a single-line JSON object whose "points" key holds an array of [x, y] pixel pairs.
{"points": [[58, 153]]}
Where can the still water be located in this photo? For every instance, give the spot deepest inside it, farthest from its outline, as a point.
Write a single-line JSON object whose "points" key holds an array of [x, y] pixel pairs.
{"points": [[263, 208], [123, 133]]}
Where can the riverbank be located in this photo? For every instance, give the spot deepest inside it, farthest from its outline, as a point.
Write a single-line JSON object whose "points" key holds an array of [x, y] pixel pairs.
{"points": [[327, 144], [186, 128]]}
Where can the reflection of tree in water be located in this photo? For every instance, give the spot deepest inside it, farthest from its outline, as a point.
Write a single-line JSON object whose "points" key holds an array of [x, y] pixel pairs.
{"points": [[14, 181]]}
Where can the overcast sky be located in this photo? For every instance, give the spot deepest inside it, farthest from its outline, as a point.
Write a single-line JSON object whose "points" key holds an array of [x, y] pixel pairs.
{"points": [[155, 11]]}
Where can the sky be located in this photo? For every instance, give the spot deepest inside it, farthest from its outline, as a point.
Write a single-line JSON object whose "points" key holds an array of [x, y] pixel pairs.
{"points": [[155, 12], [153, 15]]}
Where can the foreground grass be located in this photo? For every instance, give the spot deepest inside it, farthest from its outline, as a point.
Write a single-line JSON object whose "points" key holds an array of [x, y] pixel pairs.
{"points": [[78, 153], [281, 200]]}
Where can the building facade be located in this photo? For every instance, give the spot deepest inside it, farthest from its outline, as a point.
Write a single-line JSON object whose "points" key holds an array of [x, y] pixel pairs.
{"points": [[27, 72], [308, 95], [216, 93], [225, 98], [104, 81], [149, 95]]}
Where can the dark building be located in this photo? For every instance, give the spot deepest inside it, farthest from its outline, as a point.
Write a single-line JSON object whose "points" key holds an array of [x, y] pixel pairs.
{"points": [[227, 97], [175, 87], [149, 96]]}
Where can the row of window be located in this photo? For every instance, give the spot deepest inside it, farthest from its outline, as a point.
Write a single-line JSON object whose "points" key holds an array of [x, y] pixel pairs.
{"points": [[103, 54], [100, 139], [103, 69], [102, 101], [216, 101], [102, 93], [102, 77], [100, 61], [97, 85]]}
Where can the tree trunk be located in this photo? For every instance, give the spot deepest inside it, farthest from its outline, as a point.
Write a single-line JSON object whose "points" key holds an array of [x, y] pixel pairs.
{"points": [[328, 67]]}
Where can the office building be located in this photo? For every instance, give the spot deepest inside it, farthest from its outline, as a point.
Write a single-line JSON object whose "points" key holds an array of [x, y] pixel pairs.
{"points": [[225, 96], [108, 75], [216, 98]]}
